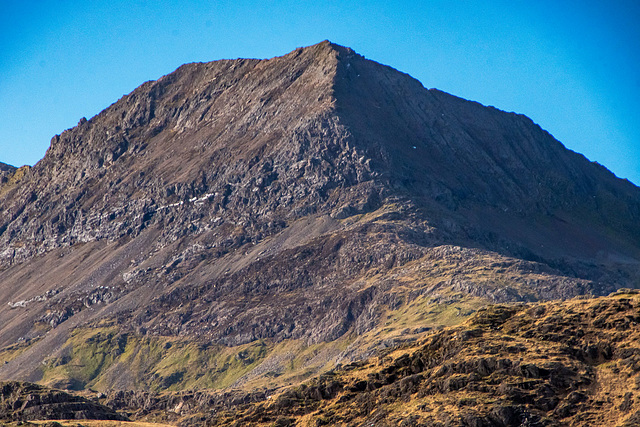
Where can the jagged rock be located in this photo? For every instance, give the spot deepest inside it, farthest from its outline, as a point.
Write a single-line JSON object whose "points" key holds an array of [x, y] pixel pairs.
{"points": [[5, 173], [24, 401]]}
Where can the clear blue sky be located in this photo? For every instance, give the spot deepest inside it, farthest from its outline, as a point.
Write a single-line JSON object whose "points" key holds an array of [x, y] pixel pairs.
{"points": [[572, 66]]}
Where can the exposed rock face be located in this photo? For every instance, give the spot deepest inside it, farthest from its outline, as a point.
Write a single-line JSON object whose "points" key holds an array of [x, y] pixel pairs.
{"points": [[24, 401], [6, 172], [301, 197]]}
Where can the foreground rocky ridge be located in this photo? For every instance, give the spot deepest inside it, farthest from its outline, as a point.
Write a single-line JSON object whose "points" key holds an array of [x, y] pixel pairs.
{"points": [[315, 199], [573, 363], [547, 364], [24, 401]]}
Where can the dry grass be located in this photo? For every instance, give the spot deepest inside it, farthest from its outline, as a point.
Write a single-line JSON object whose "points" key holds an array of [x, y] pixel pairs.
{"points": [[573, 363]]}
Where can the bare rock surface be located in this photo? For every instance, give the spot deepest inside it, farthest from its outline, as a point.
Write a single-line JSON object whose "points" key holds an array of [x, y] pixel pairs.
{"points": [[5, 172], [25, 401]]}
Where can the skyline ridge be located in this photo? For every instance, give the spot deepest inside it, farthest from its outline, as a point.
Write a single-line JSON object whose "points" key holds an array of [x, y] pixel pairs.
{"points": [[574, 76]]}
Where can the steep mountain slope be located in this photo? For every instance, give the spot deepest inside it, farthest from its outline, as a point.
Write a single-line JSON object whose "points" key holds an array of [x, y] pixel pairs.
{"points": [[269, 218], [483, 163]]}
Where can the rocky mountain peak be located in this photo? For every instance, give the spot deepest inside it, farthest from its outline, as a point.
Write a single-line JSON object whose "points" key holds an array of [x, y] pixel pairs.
{"points": [[287, 132], [205, 129], [305, 197]]}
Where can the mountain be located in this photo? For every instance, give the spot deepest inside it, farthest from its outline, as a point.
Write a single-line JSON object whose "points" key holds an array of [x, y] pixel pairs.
{"points": [[250, 223]]}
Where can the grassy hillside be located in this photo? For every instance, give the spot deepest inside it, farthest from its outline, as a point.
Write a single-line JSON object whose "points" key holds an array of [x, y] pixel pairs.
{"points": [[101, 357], [560, 363], [573, 363]]}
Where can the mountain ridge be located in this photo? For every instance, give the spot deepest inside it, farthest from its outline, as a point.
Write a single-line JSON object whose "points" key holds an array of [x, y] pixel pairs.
{"points": [[466, 187], [270, 206]]}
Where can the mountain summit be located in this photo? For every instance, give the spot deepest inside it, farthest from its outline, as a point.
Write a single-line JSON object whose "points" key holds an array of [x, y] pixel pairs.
{"points": [[314, 199]]}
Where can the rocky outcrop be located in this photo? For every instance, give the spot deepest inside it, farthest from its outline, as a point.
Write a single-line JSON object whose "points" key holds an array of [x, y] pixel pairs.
{"points": [[572, 363], [25, 401], [172, 407], [5, 172]]}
